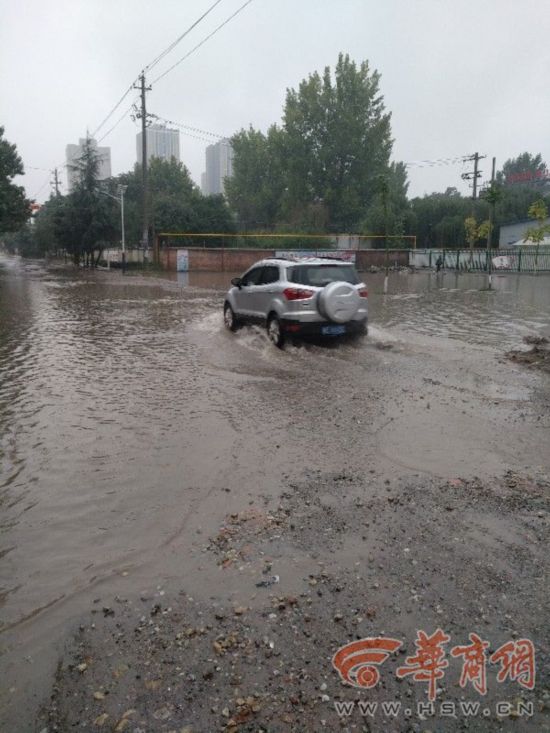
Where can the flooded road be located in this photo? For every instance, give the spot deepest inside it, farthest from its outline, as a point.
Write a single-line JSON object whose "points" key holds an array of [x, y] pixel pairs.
{"points": [[131, 423]]}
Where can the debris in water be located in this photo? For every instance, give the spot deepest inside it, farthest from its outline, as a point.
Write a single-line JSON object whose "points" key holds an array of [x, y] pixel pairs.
{"points": [[267, 582]]}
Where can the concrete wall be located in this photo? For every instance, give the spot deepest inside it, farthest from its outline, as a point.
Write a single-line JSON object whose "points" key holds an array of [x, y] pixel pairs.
{"points": [[366, 258], [239, 260]]}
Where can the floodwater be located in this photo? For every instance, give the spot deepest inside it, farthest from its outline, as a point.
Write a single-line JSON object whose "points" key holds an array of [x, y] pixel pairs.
{"points": [[445, 304], [130, 421]]}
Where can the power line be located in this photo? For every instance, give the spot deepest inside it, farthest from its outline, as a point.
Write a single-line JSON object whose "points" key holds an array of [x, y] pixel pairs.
{"points": [[189, 127], [437, 162], [150, 66], [157, 60], [42, 187], [111, 113], [195, 48], [166, 51], [36, 168], [117, 123]]}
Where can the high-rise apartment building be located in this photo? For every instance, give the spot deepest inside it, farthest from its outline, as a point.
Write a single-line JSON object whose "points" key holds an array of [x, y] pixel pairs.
{"points": [[74, 152], [219, 166], [162, 142]]}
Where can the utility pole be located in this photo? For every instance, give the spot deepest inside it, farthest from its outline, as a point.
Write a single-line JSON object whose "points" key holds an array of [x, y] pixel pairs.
{"points": [[55, 182], [492, 207], [144, 172], [121, 190], [475, 174], [492, 203]]}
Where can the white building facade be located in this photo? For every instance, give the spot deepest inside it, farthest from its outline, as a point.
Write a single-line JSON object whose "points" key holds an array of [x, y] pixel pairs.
{"points": [[162, 142], [74, 153], [219, 166]]}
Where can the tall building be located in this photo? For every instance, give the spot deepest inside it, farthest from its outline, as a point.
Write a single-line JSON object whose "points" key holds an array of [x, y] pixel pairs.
{"points": [[74, 152], [162, 142], [219, 165]]}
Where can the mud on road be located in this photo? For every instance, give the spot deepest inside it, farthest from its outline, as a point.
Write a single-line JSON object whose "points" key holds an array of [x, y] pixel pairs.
{"points": [[385, 559], [242, 513]]}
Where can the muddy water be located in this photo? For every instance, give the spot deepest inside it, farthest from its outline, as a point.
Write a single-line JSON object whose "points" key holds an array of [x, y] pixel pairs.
{"points": [[131, 423], [446, 304]]}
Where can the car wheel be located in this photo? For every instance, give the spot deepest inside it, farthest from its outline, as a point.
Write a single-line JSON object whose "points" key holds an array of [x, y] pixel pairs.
{"points": [[275, 332], [229, 318]]}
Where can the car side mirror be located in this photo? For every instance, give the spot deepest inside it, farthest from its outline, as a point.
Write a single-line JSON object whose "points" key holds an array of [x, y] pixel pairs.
{"points": [[237, 282]]}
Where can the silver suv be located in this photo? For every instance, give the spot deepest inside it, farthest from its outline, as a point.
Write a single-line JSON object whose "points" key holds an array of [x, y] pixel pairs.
{"points": [[309, 296]]}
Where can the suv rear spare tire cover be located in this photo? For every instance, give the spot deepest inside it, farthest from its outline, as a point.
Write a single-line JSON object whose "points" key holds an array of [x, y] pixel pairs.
{"points": [[339, 301]]}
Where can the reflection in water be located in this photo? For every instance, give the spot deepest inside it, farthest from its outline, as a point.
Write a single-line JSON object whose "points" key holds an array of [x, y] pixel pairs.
{"points": [[459, 306]]}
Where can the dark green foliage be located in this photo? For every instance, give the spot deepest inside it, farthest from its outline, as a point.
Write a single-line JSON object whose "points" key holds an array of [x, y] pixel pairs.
{"points": [[85, 221], [21, 242], [320, 171], [525, 170], [256, 189], [176, 204], [14, 206]]}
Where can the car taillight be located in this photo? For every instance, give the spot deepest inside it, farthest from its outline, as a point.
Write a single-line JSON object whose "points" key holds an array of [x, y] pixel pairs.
{"points": [[364, 293], [297, 293]]}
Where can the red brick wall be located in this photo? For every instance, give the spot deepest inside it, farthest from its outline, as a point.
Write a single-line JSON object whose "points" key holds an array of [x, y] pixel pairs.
{"points": [[238, 260], [220, 260]]}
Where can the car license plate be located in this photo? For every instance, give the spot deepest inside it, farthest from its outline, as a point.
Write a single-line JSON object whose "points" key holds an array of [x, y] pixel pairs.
{"points": [[333, 330]]}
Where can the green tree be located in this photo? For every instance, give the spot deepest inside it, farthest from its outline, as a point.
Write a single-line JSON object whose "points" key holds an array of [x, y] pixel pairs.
{"points": [[525, 169], [322, 168], [438, 218], [538, 211], [389, 212], [470, 227], [177, 204], [258, 183], [483, 230], [85, 221], [44, 227], [21, 242], [337, 141], [14, 206]]}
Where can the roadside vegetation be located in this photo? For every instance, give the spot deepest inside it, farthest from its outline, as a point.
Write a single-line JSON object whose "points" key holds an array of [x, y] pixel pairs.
{"points": [[326, 168]]}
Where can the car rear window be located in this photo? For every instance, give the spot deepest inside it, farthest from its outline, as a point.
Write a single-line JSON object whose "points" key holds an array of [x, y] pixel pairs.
{"points": [[321, 275]]}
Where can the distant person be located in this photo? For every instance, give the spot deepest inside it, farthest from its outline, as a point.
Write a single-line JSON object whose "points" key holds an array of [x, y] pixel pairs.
{"points": [[438, 263]]}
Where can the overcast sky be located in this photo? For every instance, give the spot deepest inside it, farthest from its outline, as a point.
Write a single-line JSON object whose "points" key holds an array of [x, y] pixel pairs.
{"points": [[458, 76]]}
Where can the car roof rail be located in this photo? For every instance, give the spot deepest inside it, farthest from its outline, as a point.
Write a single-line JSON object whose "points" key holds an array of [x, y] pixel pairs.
{"points": [[331, 257]]}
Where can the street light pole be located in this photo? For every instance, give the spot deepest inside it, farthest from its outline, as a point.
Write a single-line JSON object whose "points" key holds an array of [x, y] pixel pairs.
{"points": [[121, 191]]}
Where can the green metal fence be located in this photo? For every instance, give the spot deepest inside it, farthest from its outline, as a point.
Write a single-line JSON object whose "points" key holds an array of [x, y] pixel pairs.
{"points": [[518, 259]]}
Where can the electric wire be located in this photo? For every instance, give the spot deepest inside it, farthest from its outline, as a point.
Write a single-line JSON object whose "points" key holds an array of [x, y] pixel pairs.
{"points": [[189, 127], [152, 64], [438, 161], [167, 50], [117, 123], [204, 40], [111, 113]]}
